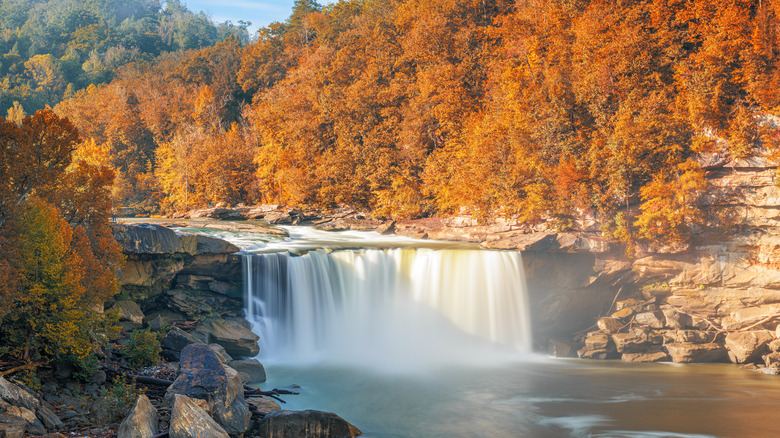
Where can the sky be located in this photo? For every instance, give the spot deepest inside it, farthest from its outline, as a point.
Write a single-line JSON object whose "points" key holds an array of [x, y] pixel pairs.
{"points": [[260, 12]]}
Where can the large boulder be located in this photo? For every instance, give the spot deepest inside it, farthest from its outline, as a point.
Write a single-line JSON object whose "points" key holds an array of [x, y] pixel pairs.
{"points": [[141, 422], [748, 346], [189, 420], [300, 424], [204, 376], [175, 341], [234, 334]]}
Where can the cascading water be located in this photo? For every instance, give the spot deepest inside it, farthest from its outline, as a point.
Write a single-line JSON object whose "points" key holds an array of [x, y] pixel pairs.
{"points": [[392, 308]]}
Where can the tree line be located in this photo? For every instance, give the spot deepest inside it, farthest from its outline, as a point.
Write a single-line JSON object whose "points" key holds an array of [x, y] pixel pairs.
{"points": [[538, 110]]}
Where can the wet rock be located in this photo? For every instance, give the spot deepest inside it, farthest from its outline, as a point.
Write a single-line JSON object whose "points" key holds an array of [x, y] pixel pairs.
{"points": [[629, 343], [685, 352], [175, 341], [141, 422], [650, 356], [189, 420], [253, 369], [203, 376], [281, 424], [651, 319], [747, 346], [561, 348], [598, 354], [263, 404], [234, 334], [609, 325]]}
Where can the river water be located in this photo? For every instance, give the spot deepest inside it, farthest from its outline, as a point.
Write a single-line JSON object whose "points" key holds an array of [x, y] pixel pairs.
{"points": [[407, 338]]}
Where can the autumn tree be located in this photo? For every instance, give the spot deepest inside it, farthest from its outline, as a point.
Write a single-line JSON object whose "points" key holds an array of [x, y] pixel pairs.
{"points": [[57, 253]]}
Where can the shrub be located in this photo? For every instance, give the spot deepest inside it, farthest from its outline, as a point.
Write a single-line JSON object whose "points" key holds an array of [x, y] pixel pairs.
{"points": [[142, 348]]}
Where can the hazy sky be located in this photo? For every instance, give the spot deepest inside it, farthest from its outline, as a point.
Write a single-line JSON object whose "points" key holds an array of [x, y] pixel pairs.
{"points": [[259, 12]]}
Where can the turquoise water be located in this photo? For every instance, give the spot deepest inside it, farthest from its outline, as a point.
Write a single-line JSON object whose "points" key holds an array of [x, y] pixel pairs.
{"points": [[542, 397]]}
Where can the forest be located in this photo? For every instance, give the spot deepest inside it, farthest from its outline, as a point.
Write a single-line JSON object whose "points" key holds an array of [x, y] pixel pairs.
{"points": [[541, 111]]}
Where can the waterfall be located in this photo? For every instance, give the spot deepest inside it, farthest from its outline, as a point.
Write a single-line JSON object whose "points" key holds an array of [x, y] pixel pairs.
{"points": [[387, 306]]}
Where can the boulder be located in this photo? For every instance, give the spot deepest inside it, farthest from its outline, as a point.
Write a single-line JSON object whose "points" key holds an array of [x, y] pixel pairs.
{"points": [[278, 217], [203, 376], [129, 311], [252, 368], [141, 422], [234, 334], [651, 319], [748, 346], [263, 404], [289, 424], [189, 420], [609, 325], [175, 341], [686, 352]]}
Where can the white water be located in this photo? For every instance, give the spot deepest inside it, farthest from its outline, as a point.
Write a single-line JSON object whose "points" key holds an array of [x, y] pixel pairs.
{"points": [[398, 310]]}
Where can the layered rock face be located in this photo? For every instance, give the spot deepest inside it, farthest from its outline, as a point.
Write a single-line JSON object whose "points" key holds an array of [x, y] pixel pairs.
{"points": [[177, 277]]}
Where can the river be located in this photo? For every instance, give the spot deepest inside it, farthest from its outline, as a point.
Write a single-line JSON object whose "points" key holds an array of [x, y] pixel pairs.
{"points": [[408, 338]]}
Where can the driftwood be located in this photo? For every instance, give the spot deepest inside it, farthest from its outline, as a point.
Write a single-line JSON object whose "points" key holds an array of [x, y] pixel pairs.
{"points": [[248, 390], [148, 380]]}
